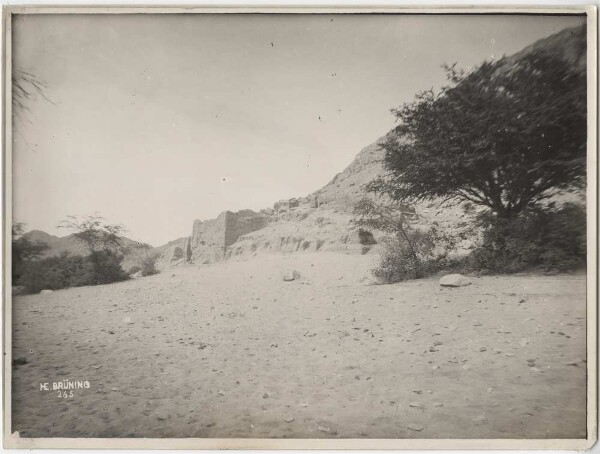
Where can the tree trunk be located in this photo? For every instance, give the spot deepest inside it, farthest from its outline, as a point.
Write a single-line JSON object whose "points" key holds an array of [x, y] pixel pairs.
{"points": [[413, 252]]}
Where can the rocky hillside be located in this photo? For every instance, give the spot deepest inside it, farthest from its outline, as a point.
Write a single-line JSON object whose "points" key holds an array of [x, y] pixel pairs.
{"points": [[568, 44], [322, 220]]}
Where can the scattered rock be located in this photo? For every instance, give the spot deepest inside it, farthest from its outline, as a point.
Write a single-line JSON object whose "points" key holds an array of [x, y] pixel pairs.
{"points": [[480, 419], [289, 276], [454, 280]]}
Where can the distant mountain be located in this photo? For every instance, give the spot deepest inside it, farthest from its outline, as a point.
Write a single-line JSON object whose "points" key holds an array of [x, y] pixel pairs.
{"points": [[69, 244]]}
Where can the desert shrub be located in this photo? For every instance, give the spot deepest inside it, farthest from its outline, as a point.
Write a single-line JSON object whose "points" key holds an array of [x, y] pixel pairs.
{"points": [[107, 266], [65, 271], [414, 255], [56, 272], [134, 269], [549, 238], [148, 266]]}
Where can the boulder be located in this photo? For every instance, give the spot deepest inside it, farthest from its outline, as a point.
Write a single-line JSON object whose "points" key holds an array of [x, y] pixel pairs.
{"points": [[455, 280], [289, 276], [45, 292]]}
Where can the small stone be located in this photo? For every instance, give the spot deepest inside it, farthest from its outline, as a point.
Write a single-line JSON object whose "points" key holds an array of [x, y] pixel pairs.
{"points": [[289, 419], [415, 405], [289, 276], [323, 429], [482, 349], [454, 280], [415, 427], [46, 292], [438, 404]]}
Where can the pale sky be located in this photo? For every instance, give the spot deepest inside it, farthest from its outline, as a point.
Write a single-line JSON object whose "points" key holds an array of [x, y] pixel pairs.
{"points": [[157, 120]]}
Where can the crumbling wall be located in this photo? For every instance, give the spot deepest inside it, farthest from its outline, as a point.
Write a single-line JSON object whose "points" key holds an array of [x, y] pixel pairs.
{"points": [[242, 222], [210, 239]]}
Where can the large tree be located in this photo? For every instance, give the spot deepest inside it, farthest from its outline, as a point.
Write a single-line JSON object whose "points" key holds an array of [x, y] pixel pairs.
{"points": [[505, 136]]}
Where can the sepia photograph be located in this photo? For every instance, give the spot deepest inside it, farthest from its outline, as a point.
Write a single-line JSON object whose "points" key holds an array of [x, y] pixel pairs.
{"points": [[300, 225]]}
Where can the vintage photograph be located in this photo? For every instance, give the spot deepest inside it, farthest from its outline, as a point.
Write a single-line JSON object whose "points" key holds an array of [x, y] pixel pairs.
{"points": [[299, 226]]}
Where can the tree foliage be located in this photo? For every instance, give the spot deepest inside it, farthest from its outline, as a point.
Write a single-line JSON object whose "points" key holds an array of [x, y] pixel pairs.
{"points": [[105, 244], [504, 136], [95, 233], [26, 87]]}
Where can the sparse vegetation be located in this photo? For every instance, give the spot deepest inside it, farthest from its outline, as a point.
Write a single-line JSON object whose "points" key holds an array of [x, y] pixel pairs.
{"points": [[550, 238], [407, 253], [148, 266], [104, 243], [102, 266]]}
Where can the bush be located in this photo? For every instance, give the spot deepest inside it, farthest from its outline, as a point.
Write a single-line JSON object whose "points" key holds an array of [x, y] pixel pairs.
{"points": [[416, 255], [134, 269], [148, 266], [548, 238], [65, 271], [107, 266]]}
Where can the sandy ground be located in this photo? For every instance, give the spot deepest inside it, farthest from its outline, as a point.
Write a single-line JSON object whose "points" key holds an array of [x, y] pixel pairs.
{"points": [[232, 350]]}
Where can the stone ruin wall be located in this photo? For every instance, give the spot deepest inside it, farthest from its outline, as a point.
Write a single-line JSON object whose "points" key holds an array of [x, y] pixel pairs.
{"points": [[240, 223], [210, 239]]}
